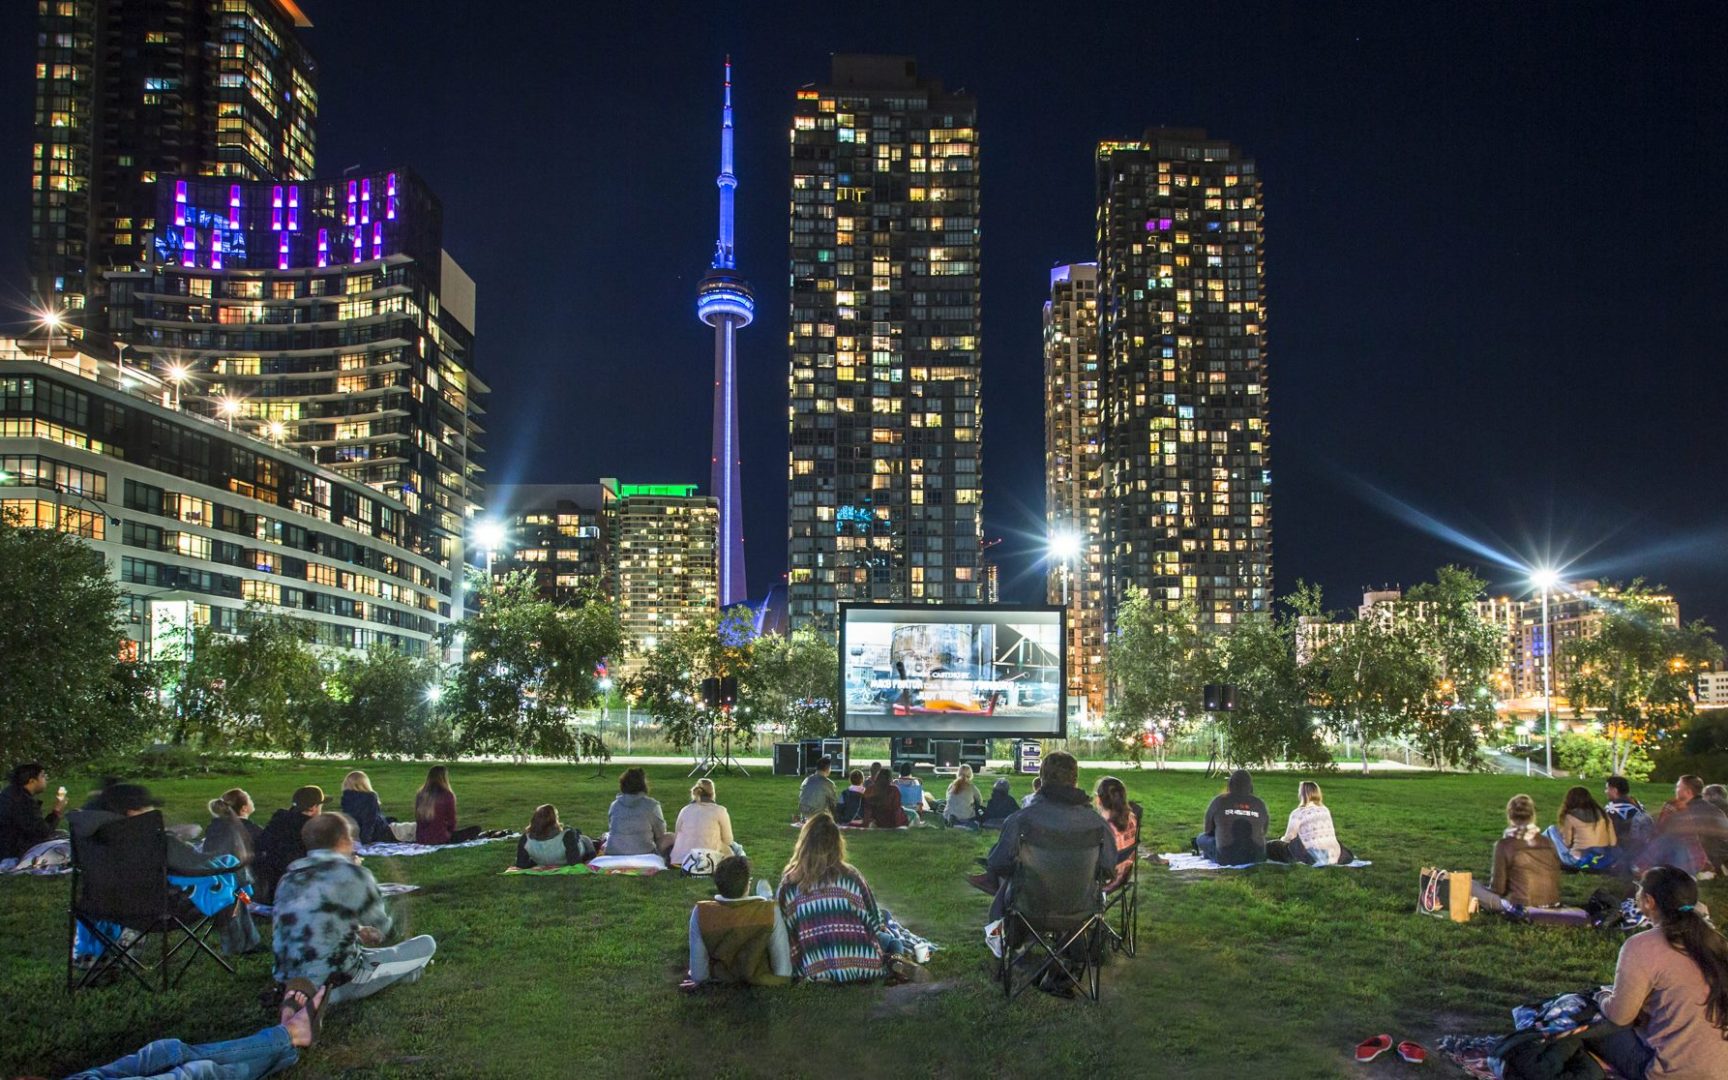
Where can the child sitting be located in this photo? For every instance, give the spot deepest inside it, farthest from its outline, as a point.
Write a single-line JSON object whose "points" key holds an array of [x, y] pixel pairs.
{"points": [[735, 938]]}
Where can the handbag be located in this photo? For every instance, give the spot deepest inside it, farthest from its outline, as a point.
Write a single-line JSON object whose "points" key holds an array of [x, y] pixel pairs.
{"points": [[1444, 894]]}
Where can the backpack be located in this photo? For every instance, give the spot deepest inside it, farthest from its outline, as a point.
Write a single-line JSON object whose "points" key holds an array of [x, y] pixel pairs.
{"points": [[1634, 830]]}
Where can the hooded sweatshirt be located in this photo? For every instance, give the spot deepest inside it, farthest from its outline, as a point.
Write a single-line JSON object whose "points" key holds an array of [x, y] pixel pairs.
{"points": [[1237, 820]]}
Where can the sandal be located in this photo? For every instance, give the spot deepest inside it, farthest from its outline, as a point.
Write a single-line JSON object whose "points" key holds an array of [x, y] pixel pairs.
{"points": [[303, 995], [1414, 1053], [1369, 1049]]}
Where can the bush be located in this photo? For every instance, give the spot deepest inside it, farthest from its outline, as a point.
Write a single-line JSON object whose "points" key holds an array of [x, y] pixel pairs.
{"points": [[1592, 756], [1701, 749], [164, 761]]}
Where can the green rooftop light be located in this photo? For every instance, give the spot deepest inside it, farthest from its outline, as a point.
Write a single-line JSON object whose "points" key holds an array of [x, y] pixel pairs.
{"points": [[664, 491]]}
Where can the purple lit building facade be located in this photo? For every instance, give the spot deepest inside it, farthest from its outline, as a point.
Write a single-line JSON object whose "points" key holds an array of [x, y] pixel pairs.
{"points": [[724, 301]]}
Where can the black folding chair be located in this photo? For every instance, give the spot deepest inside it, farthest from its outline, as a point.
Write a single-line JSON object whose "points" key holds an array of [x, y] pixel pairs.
{"points": [[120, 878], [1122, 903], [1053, 921]]}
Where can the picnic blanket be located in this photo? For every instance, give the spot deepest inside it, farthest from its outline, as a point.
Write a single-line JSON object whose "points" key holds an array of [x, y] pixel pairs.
{"points": [[857, 825], [587, 868], [403, 850], [48, 857], [1181, 861], [909, 941], [388, 888]]}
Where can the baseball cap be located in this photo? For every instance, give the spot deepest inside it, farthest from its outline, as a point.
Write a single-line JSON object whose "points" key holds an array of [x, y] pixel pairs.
{"points": [[307, 797]]}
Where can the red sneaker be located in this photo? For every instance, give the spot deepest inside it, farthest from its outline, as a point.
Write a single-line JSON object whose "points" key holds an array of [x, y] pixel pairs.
{"points": [[1369, 1049], [1412, 1052]]}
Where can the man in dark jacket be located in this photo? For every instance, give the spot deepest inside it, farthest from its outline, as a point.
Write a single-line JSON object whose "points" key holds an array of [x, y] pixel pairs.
{"points": [[23, 825], [1061, 807], [281, 844], [1235, 824]]}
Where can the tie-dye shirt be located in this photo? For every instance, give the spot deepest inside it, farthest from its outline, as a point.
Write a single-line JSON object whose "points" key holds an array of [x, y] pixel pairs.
{"points": [[834, 928], [321, 904]]}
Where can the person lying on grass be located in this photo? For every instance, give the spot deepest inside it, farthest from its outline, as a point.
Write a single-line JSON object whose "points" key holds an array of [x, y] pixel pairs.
{"points": [[331, 918], [1583, 834], [838, 935], [549, 842], [735, 937], [1670, 992], [262, 1054], [1309, 836], [1235, 832], [1525, 883]]}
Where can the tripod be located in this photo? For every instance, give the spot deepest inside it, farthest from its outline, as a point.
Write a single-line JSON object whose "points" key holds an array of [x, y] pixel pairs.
{"points": [[719, 752]]}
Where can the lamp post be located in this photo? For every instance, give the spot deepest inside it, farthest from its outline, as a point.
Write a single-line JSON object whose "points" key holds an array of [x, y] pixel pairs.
{"points": [[177, 374], [1064, 547], [229, 408], [1545, 578], [489, 536]]}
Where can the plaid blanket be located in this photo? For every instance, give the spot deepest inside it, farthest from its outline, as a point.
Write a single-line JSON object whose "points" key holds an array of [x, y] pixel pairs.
{"points": [[47, 858], [1181, 861], [399, 849]]}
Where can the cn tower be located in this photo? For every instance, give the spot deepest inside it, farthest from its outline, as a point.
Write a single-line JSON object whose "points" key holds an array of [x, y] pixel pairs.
{"points": [[724, 301]]}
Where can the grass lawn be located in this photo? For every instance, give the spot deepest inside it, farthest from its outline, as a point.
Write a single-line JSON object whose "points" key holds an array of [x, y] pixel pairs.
{"points": [[1273, 972]]}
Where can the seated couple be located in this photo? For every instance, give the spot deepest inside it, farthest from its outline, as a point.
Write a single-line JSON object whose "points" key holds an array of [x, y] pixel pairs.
{"points": [[1691, 831], [1235, 830], [636, 826]]}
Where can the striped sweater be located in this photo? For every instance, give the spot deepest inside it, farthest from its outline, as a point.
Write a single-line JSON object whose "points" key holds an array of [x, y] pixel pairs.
{"points": [[834, 928]]}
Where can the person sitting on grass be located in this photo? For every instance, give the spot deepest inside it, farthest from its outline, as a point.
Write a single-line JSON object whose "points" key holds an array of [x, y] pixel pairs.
{"points": [[1583, 836], [1001, 806], [1061, 808], [1717, 795], [435, 812], [704, 830], [838, 935], [361, 803], [280, 843], [23, 825], [262, 1054], [1235, 832], [1525, 882], [231, 830], [735, 937], [964, 804], [1633, 828], [1032, 796], [635, 824], [1670, 992], [1686, 789], [1309, 836], [1691, 833], [912, 796], [548, 842], [816, 794], [1110, 796], [881, 808], [852, 799], [331, 920]]}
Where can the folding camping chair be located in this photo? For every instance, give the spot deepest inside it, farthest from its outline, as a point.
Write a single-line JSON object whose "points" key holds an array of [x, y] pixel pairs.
{"points": [[119, 885], [1053, 921], [1122, 903]]}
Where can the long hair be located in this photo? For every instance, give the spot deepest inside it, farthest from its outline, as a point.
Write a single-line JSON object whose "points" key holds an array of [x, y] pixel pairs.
{"points": [[359, 781], [437, 783], [819, 857], [1581, 805], [544, 825], [962, 781], [1112, 799], [1675, 894], [1308, 794], [702, 791], [227, 806]]}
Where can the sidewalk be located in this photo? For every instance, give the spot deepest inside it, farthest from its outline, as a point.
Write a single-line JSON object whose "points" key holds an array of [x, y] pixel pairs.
{"points": [[998, 765]]}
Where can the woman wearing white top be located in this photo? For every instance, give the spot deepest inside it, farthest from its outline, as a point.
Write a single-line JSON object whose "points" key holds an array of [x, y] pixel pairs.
{"points": [[1309, 836], [703, 829]]}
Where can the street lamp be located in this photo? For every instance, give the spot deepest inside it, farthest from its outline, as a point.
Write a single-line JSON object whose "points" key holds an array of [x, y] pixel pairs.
{"points": [[229, 408], [1545, 578], [177, 374], [1063, 549], [489, 536], [277, 429]]}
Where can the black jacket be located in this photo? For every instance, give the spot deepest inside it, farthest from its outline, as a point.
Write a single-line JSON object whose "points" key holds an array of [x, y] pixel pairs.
{"points": [[22, 823], [1059, 808], [368, 814], [278, 845]]}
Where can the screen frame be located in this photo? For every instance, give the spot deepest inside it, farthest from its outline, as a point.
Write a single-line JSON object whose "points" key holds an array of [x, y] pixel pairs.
{"points": [[936, 611]]}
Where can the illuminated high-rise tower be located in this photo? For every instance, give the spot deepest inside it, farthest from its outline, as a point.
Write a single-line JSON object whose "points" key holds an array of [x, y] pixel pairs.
{"points": [[724, 301]]}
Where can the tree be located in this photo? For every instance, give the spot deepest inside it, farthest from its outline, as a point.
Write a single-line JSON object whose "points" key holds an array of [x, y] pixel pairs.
{"points": [[1273, 719], [712, 645], [66, 694], [1465, 651], [529, 665], [792, 683], [1637, 671], [1154, 668], [1371, 678], [260, 689], [385, 702]]}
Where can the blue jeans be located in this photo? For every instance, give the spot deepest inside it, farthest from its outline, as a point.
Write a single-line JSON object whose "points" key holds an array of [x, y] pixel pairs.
{"points": [[1207, 846], [1626, 1050], [255, 1056]]}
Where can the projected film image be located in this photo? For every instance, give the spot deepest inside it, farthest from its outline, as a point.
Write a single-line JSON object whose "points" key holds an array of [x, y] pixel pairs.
{"points": [[931, 671]]}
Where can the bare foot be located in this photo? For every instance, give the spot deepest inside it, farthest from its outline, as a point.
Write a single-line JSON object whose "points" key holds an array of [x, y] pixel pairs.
{"points": [[300, 1013]]}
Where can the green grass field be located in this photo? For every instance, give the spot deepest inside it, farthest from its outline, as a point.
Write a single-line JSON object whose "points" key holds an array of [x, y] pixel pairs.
{"points": [[1273, 972]]}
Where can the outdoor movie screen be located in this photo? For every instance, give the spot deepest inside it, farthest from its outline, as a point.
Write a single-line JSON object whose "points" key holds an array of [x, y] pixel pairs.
{"points": [[952, 670]]}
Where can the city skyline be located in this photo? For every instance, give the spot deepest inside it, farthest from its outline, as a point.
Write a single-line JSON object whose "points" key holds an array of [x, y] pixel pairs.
{"points": [[1463, 304]]}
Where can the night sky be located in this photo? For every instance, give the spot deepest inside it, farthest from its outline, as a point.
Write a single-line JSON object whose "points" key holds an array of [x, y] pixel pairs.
{"points": [[1495, 251]]}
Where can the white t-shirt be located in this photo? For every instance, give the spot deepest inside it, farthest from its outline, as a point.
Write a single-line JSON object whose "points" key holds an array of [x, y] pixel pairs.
{"points": [[1312, 824]]}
